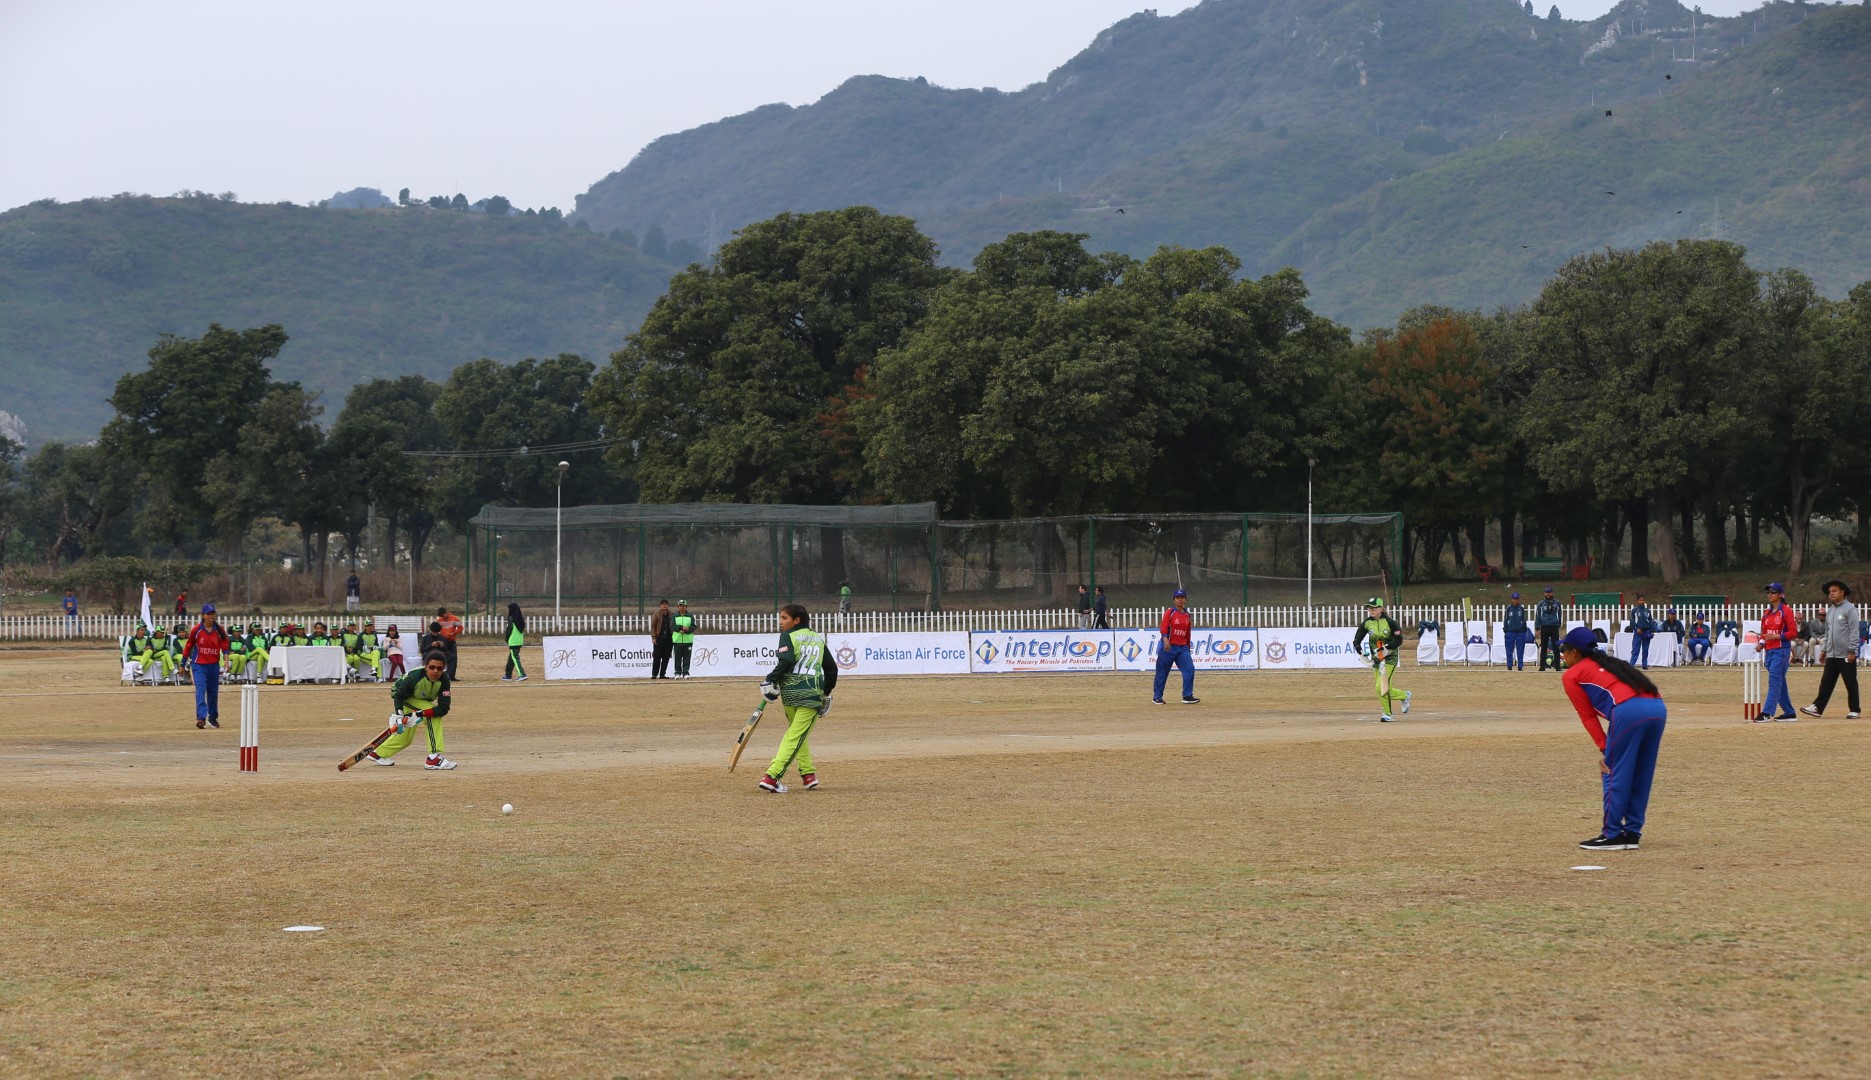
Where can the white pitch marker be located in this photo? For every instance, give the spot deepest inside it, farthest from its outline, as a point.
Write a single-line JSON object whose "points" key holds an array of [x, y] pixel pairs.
{"points": [[302, 929], [1588, 868]]}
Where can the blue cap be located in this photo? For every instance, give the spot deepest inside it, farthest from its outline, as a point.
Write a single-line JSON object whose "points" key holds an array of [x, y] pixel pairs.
{"points": [[1180, 593], [1700, 615], [1775, 586], [1516, 596], [1580, 638], [1549, 588], [207, 609]]}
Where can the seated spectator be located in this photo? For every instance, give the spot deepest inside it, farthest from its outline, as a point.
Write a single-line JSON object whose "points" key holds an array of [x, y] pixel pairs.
{"points": [[1673, 625], [393, 651], [139, 653], [319, 635], [1806, 643], [1698, 641], [161, 656]]}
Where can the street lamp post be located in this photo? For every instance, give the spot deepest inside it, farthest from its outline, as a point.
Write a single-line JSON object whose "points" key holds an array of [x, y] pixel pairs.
{"points": [[1309, 464], [558, 541]]}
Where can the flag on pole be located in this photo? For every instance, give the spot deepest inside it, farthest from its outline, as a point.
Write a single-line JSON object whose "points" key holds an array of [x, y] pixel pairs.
{"points": [[148, 623]]}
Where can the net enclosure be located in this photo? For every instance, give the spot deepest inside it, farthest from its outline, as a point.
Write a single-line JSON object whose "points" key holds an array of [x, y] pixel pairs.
{"points": [[904, 557]]}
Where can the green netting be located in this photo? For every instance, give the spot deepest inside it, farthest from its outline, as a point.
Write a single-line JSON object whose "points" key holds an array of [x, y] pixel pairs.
{"points": [[626, 558]]}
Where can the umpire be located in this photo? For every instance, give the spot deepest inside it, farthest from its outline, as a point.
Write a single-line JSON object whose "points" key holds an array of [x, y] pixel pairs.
{"points": [[1841, 645], [1546, 620]]}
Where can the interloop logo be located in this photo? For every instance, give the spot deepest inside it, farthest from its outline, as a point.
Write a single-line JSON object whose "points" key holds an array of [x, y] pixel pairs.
{"points": [[986, 652], [1130, 650]]}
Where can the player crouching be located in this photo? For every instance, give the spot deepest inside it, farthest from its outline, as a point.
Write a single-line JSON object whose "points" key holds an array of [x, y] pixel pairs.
{"points": [[420, 697], [802, 681]]}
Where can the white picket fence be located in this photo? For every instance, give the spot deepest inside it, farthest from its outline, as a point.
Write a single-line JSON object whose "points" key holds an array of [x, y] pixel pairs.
{"points": [[112, 627]]}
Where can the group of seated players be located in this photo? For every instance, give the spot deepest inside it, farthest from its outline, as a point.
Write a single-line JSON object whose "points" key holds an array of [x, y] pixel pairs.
{"points": [[157, 657]]}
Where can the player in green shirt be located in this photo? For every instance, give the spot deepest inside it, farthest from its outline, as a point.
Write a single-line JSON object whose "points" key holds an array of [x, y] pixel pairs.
{"points": [[802, 681], [1386, 636], [420, 697], [516, 637], [682, 637]]}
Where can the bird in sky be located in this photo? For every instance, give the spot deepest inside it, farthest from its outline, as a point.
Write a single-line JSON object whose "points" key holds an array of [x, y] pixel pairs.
{"points": [[1607, 112], [1611, 193]]}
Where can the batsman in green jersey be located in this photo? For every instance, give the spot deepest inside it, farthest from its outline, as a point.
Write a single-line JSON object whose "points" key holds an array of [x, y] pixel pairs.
{"points": [[802, 681], [1386, 636], [420, 697]]}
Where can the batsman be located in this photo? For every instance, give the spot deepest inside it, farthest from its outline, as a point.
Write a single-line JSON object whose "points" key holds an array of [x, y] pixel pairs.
{"points": [[1386, 636], [420, 697], [802, 681]]}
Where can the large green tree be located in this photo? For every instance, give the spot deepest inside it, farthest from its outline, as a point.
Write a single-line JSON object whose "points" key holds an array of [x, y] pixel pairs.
{"points": [[174, 417], [1814, 366], [382, 422], [723, 392], [1640, 357]]}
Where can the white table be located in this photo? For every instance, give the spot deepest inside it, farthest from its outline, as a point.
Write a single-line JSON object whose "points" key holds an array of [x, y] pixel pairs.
{"points": [[307, 663]]}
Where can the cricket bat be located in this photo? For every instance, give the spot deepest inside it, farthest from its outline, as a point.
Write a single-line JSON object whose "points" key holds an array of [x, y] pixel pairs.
{"points": [[740, 743], [372, 745]]}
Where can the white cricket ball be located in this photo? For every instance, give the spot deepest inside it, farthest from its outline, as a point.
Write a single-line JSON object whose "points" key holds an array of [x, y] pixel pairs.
{"points": [[506, 808]]}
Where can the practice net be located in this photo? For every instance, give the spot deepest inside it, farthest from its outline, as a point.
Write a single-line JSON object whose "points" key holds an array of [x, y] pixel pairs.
{"points": [[896, 558]]}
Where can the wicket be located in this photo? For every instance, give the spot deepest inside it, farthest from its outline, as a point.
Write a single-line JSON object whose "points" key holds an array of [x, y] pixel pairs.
{"points": [[250, 728], [1751, 696]]}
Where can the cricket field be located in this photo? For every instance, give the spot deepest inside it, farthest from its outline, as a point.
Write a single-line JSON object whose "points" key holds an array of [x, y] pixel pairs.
{"points": [[1001, 876]]}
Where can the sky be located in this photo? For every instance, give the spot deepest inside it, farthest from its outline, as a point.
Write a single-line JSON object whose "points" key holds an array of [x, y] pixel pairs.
{"points": [[275, 100]]}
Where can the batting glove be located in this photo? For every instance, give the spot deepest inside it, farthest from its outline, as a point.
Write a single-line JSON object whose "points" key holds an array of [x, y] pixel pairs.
{"points": [[826, 705], [399, 722], [769, 691]]}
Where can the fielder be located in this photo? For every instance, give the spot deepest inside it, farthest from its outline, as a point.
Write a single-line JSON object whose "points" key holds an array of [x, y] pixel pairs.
{"points": [[1386, 636], [1172, 649], [420, 697], [802, 681], [1601, 685]]}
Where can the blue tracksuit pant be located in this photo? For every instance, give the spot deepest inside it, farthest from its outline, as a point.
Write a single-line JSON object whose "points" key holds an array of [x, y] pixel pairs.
{"points": [[207, 691], [1177, 655], [1698, 650], [1640, 646], [1631, 743], [1517, 641], [1775, 661]]}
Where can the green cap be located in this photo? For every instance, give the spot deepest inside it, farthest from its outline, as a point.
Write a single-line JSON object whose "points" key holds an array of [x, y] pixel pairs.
{"points": [[1375, 601]]}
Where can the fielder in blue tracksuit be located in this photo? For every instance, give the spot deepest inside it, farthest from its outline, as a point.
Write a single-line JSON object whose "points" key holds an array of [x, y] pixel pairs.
{"points": [[1514, 625]]}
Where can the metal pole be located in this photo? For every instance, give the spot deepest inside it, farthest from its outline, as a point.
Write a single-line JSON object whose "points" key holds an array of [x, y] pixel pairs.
{"points": [[558, 541], [1309, 464]]}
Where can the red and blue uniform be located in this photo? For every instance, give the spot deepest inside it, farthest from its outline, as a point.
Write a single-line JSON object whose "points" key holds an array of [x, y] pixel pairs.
{"points": [[1173, 649], [1629, 736], [1775, 655]]}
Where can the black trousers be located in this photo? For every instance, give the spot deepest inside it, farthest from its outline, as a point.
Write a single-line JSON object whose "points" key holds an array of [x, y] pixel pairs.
{"points": [[685, 651], [1835, 667], [1549, 647], [659, 659]]}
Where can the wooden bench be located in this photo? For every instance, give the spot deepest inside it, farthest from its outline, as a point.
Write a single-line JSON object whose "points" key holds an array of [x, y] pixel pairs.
{"points": [[1554, 568]]}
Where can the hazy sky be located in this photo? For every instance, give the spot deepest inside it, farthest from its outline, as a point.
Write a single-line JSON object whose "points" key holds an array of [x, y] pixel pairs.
{"points": [[276, 100]]}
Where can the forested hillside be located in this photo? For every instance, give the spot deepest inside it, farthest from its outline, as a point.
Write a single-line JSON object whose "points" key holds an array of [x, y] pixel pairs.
{"points": [[87, 288], [1396, 152]]}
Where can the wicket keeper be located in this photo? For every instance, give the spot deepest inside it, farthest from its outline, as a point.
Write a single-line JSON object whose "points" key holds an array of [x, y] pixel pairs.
{"points": [[802, 681], [1386, 636], [422, 696]]}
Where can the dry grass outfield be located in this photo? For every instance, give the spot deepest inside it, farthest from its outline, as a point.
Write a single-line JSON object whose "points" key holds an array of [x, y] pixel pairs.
{"points": [[1038, 876]]}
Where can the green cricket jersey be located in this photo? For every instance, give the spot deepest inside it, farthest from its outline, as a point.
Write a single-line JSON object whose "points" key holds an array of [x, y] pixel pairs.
{"points": [[806, 671]]}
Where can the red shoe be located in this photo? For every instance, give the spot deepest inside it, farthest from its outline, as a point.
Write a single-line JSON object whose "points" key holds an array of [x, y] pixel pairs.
{"points": [[767, 783], [809, 781]]}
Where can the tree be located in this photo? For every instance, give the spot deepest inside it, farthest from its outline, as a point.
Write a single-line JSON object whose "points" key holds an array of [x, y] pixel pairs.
{"points": [[497, 206], [10, 495], [1811, 361], [721, 391], [1638, 354], [402, 197], [685, 252], [459, 202], [1553, 16], [381, 421], [188, 406], [487, 406], [655, 244]]}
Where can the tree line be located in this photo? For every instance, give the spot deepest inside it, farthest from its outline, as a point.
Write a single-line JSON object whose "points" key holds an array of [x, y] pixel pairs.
{"points": [[1670, 402]]}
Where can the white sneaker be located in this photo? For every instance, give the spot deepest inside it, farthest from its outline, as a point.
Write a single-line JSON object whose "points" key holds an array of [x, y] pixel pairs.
{"points": [[1853, 715], [1406, 701], [437, 761], [1809, 710], [375, 760], [1386, 719]]}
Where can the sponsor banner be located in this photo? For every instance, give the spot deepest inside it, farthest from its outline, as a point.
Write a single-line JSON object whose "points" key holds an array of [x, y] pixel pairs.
{"points": [[1001, 651], [613, 656], [1220, 649], [900, 654], [1293, 649]]}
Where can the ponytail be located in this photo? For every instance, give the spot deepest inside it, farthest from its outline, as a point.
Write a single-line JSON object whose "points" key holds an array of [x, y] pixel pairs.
{"points": [[1622, 671]]}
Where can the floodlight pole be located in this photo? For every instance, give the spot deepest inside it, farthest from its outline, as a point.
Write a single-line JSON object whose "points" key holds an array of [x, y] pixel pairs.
{"points": [[558, 540], [1309, 464]]}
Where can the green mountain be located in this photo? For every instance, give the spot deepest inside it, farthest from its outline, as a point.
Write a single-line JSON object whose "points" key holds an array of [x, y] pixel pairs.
{"points": [[87, 287], [1397, 151]]}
